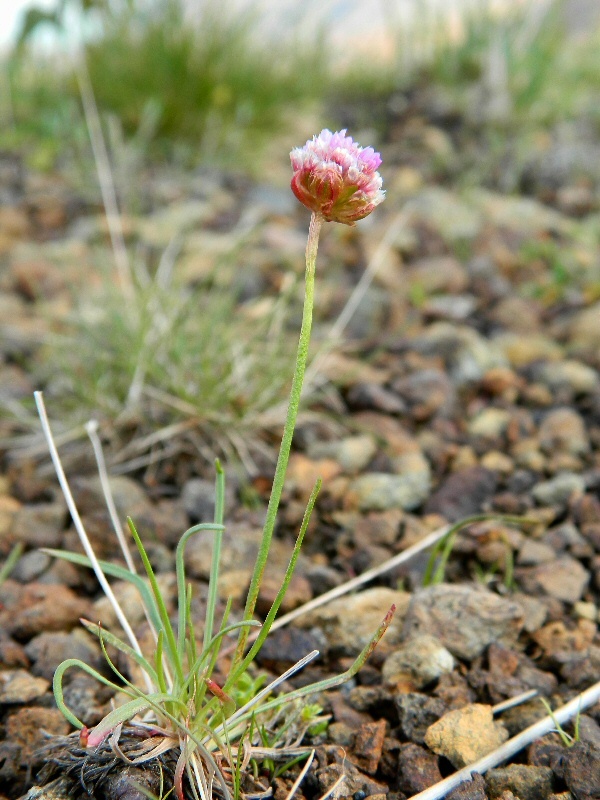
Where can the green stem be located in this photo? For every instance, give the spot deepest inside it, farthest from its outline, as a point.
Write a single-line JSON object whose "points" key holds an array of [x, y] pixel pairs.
{"points": [[288, 432], [211, 602]]}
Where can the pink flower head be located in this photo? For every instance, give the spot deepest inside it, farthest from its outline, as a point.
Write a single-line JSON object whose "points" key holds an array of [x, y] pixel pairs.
{"points": [[336, 178]]}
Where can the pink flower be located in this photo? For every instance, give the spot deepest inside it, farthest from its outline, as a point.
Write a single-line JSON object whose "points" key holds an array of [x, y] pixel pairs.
{"points": [[336, 178]]}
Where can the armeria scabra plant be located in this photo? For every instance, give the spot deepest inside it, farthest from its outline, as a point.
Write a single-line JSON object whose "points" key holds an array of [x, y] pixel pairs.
{"points": [[211, 730]]}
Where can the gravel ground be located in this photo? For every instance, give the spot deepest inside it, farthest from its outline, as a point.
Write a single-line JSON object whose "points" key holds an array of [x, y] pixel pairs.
{"points": [[468, 381]]}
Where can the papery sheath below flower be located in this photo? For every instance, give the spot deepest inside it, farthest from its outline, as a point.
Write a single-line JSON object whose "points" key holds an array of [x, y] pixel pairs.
{"points": [[336, 178]]}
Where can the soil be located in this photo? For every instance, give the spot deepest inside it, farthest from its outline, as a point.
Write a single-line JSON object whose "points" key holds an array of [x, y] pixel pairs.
{"points": [[467, 381]]}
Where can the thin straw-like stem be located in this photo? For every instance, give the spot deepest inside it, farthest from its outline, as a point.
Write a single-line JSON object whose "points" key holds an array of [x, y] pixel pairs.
{"points": [[301, 776], [81, 532], [514, 745], [316, 222], [92, 431], [107, 186]]}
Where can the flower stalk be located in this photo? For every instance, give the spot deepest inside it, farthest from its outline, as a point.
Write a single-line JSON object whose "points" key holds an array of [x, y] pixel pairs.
{"points": [[312, 245]]}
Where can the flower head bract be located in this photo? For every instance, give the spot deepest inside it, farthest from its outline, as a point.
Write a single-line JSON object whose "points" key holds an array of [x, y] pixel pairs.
{"points": [[336, 178]]}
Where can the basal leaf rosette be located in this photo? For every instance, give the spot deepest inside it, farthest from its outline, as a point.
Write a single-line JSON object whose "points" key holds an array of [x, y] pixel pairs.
{"points": [[336, 178]]}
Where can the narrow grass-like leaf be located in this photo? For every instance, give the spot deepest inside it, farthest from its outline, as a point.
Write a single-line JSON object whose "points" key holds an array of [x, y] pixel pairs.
{"points": [[160, 603], [119, 644], [328, 683], [243, 665], [9, 564], [440, 553], [124, 713], [115, 571], [158, 659], [58, 690], [211, 602], [242, 713], [193, 670], [181, 587]]}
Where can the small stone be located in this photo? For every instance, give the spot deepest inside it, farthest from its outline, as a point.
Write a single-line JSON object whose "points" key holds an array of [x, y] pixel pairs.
{"points": [[558, 641], [467, 354], [445, 212], [304, 472], [491, 423], [416, 712], [18, 686], [12, 654], [340, 733], [421, 660], [466, 734], [238, 552], [350, 622], [462, 493], [534, 610], [580, 378], [369, 698], [418, 769], [527, 455], [584, 330], [496, 461], [473, 789], [534, 552], [559, 490], [456, 307], [523, 350], [129, 497], [47, 650], [335, 770], [427, 392], [26, 727], [464, 619], [298, 592], [198, 499], [589, 730], [380, 491], [437, 274], [286, 646], [379, 528], [36, 607], [30, 566], [526, 782], [586, 610], [130, 601], [368, 746], [40, 525], [563, 429], [372, 396], [564, 579], [355, 452], [352, 453]]}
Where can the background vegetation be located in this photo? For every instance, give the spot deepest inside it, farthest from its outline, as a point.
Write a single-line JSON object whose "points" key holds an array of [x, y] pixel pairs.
{"points": [[208, 92]]}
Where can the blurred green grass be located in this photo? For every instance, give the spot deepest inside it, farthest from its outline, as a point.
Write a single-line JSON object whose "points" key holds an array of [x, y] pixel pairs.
{"points": [[212, 88], [206, 88]]}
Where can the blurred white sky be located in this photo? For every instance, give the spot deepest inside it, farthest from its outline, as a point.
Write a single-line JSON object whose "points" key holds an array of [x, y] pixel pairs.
{"points": [[10, 12], [363, 20]]}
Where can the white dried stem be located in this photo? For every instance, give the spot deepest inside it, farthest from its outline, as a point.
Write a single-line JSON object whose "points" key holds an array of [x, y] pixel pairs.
{"points": [[301, 776], [81, 532], [92, 431], [107, 186]]}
